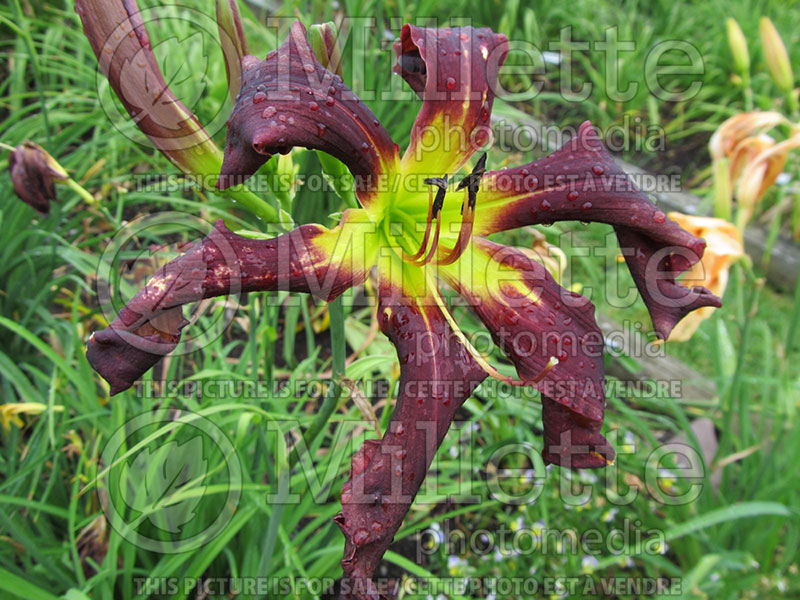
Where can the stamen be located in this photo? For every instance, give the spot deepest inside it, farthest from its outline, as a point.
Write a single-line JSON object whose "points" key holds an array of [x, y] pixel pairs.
{"points": [[464, 235], [434, 211], [490, 370], [472, 183], [413, 258], [434, 245]]}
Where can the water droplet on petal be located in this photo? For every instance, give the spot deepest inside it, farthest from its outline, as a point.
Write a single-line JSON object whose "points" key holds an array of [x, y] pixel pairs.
{"points": [[586, 206], [360, 536], [259, 97], [268, 112], [659, 217], [572, 196], [321, 129], [313, 106], [330, 101], [450, 84], [308, 68], [365, 147], [545, 205], [598, 170]]}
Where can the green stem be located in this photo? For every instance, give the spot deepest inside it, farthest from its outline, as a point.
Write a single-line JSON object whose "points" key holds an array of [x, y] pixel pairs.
{"points": [[81, 191], [748, 91], [331, 401], [791, 332]]}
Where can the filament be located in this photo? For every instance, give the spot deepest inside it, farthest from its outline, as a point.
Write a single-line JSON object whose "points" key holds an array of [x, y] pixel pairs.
{"points": [[484, 364]]}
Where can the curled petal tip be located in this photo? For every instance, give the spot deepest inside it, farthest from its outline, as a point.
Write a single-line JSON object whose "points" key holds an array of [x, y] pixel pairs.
{"points": [[289, 99]]}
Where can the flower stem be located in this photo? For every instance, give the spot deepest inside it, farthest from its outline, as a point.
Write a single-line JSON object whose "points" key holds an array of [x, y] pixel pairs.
{"points": [[339, 352], [81, 191]]}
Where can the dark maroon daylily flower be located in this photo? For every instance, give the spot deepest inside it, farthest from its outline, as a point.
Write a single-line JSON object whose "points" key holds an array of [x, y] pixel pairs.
{"points": [[34, 173], [549, 334]]}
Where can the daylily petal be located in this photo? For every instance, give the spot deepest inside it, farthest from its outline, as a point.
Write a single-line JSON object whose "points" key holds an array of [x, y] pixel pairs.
{"points": [[454, 72], [122, 47], [581, 182], [233, 42], [309, 259], [533, 319], [762, 170], [740, 127], [289, 99], [437, 375]]}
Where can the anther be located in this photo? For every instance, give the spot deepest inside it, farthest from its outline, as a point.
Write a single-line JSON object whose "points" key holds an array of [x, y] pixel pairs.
{"points": [[472, 183]]}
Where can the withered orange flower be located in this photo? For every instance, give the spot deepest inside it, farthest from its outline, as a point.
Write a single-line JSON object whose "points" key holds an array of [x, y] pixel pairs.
{"points": [[724, 248]]}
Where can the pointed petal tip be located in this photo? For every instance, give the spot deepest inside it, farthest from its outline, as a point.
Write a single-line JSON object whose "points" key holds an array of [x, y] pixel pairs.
{"points": [[600, 454]]}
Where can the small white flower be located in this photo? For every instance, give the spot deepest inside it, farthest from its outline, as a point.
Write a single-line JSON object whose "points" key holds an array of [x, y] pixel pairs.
{"points": [[588, 563], [455, 564], [551, 58], [609, 515]]}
